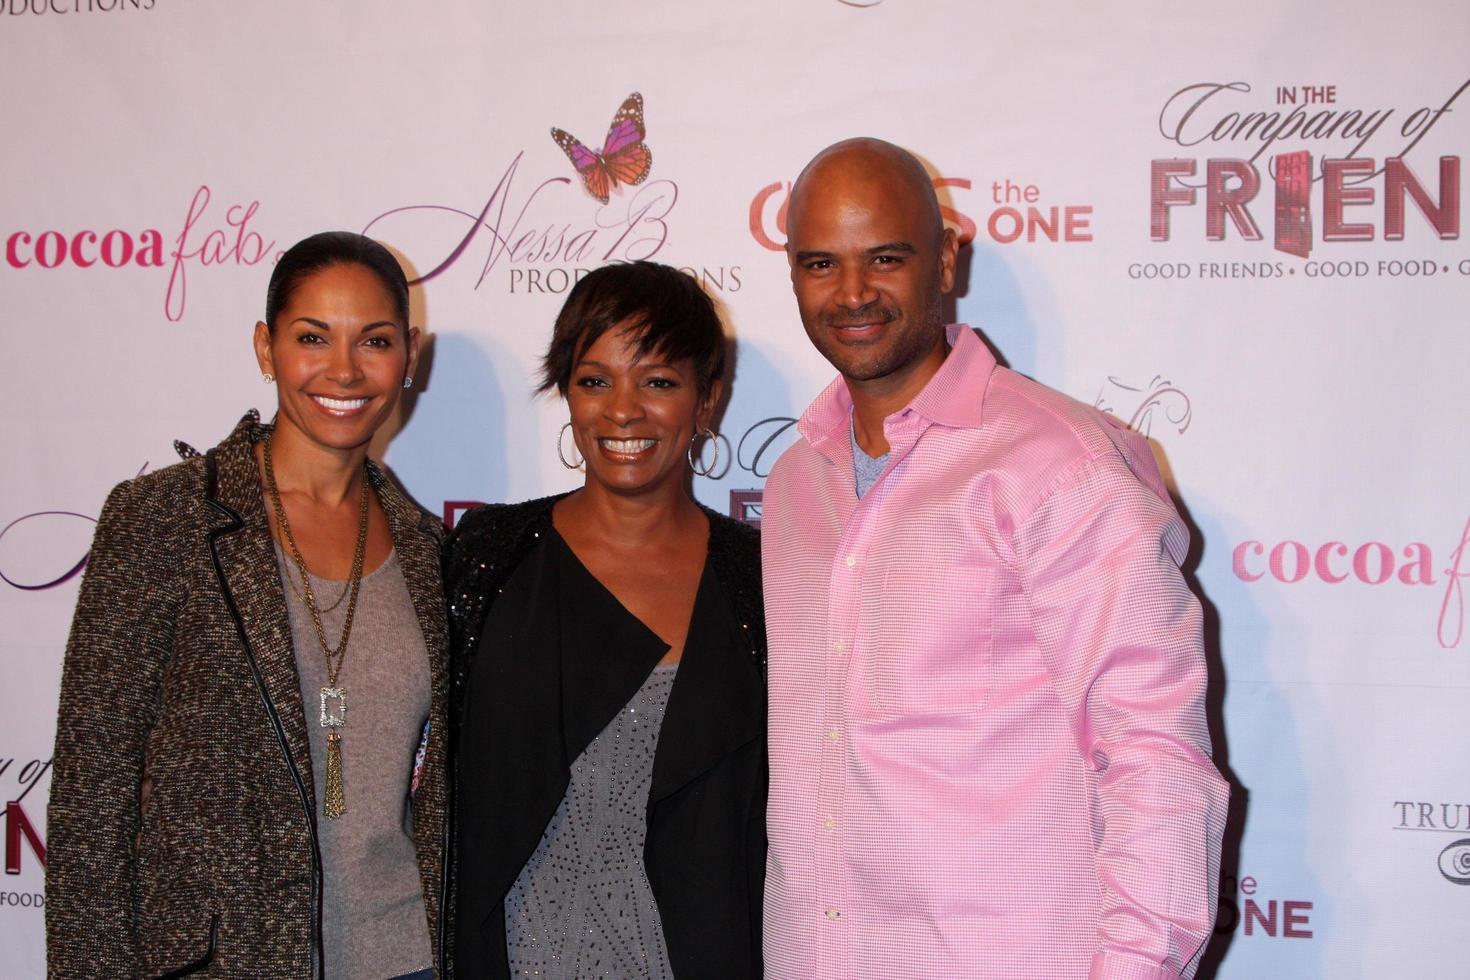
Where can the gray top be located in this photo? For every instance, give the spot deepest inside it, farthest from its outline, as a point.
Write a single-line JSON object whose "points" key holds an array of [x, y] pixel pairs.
{"points": [[582, 906], [373, 919], [865, 469]]}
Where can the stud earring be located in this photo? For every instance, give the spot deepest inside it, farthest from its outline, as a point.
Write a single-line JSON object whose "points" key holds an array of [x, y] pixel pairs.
{"points": [[561, 453], [268, 378], [408, 382]]}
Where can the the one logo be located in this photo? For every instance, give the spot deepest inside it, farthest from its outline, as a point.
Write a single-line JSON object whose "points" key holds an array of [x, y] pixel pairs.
{"points": [[1245, 908], [1016, 212], [625, 157]]}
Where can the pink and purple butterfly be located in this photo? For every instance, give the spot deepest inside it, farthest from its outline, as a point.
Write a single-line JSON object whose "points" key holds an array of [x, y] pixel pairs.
{"points": [[625, 158]]}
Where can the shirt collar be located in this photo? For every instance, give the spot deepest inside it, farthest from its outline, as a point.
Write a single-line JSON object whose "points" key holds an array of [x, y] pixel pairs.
{"points": [[953, 397]]}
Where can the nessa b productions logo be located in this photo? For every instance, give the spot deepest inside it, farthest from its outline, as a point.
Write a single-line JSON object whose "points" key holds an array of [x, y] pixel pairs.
{"points": [[210, 235], [1348, 564], [548, 222], [1008, 212], [52, 9], [1307, 162]]}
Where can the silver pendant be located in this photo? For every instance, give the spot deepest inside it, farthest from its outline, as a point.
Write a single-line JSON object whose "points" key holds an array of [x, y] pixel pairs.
{"points": [[334, 707]]}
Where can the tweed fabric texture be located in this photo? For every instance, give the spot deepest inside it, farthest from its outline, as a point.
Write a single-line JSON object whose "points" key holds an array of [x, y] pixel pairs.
{"points": [[180, 670], [989, 755]]}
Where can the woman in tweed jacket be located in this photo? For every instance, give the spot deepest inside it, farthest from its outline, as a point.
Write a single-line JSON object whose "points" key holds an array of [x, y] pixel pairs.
{"points": [[186, 833]]}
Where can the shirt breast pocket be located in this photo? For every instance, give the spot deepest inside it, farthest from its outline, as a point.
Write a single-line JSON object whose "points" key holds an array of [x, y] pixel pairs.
{"points": [[930, 648]]}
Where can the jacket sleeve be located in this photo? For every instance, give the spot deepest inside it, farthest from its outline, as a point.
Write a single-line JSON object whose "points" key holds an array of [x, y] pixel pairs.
{"points": [[464, 602], [111, 686], [467, 555], [1122, 637]]}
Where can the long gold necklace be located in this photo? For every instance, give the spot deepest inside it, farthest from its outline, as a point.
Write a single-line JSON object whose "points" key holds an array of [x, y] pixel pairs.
{"points": [[334, 697], [341, 596]]}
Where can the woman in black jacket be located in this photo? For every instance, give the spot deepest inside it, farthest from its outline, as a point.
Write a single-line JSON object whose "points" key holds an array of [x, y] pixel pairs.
{"points": [[609, 654]]}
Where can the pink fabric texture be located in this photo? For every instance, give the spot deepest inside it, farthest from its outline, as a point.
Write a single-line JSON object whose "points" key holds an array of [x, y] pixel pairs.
{"points": [[989, 755]]}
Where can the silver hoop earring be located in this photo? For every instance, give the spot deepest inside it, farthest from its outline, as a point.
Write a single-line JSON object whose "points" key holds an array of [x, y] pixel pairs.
{"points": [[714, 440], [408, 382], [561, 454], [268, 378]]}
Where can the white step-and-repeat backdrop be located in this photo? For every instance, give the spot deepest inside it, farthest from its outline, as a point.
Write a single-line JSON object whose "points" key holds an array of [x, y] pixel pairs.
{"points": [[1239, 229]]}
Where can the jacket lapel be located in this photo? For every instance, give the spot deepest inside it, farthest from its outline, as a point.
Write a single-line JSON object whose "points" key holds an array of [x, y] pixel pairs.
{"points": [[512, 738], [606, 653], [245, 560], [717, 704]]}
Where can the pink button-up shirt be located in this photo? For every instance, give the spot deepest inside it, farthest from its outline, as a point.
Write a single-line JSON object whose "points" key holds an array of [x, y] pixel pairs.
{"points": [[989, 757]]}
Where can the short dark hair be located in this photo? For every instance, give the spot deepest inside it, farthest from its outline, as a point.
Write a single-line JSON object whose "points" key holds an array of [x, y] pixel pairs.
{"points": [[667, 311], [328, 248]]}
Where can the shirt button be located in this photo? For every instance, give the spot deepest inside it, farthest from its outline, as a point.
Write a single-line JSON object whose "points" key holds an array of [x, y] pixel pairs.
{"points": [[829, 824], [833, 734], [851, 560], [839, 646], [833, 913]]}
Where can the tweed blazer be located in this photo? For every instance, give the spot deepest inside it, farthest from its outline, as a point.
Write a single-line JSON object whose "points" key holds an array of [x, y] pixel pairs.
{"points": [[180, 666]]}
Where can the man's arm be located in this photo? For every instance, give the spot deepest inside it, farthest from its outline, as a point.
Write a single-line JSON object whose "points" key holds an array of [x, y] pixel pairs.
{"points": [[1121, 634]]}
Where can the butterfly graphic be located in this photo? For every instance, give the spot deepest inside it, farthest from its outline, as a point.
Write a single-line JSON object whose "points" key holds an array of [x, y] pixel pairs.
{"points": [[625, 158]]}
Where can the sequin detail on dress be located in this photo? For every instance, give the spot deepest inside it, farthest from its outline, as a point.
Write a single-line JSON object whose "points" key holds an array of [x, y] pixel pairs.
{"points": [[582, 906]]}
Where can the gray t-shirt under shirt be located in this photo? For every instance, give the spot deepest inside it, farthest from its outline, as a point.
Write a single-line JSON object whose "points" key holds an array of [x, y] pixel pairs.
{"points": [[373, 919], [865, 469]]}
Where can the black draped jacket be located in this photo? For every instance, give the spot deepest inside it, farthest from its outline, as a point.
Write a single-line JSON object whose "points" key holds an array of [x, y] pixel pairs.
{"points": [[532, 688]]}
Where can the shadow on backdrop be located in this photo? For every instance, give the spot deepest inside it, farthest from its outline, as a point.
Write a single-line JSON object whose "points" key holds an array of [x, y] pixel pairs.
{"points": [[452, 445], [418, 315]]}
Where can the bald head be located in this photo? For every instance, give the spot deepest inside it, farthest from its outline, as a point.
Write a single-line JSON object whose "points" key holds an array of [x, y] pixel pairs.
{"points": [[868, 166], [870, 261]]}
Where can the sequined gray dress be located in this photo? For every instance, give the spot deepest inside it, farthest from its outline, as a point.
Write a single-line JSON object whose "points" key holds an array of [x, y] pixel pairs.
{"points": [[582, 906]]}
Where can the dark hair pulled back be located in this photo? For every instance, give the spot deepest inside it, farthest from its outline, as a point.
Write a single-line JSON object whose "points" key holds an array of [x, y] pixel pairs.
{"points": [[328, 248]]}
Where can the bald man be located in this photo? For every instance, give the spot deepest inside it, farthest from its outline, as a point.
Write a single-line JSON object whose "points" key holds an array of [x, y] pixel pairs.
{"points": [[989, 757]]}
